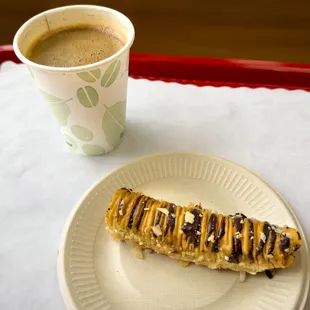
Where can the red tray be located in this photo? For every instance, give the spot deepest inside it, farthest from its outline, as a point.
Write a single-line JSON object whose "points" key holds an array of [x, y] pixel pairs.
{"points": [[210, 71]]}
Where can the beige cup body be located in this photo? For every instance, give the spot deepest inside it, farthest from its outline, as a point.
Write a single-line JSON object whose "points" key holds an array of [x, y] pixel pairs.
{"points": [[88, 102]]}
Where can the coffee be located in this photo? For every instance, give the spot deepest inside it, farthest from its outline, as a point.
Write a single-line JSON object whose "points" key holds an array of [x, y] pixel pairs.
{"points": [[76, 46]]}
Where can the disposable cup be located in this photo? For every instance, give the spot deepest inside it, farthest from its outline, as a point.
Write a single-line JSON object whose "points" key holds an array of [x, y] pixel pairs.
{"points": [[89, 101]]}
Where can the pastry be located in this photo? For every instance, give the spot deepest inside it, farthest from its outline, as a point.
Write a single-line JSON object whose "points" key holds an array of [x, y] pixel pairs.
{"points": [[196, 235]]}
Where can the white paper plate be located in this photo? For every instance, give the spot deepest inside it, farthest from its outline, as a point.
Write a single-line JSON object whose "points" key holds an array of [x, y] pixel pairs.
{"points": [[96, 272]]}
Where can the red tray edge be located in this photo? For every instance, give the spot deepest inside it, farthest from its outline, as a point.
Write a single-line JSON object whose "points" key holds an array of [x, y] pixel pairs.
{"points": [[209, 71]]}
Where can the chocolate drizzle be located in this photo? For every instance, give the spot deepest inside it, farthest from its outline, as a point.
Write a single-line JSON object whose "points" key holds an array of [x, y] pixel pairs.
{"points": [[298, 234], [241, 214], [190, 229], [269, 274], [266, 230], [158, 217], [142, 213], [170, 219], [284, 243], [236, 242], [272, 241], [134, 212], [215, 247], [238, 224], [126, 189], [222, 228], [251, 239], [211, 227], [234, 257]]}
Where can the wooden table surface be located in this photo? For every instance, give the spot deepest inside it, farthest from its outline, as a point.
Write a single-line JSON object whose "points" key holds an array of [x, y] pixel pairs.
{"points": [[265, 30]]}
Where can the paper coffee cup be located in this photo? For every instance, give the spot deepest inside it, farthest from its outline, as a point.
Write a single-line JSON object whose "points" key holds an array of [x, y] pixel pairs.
{"points": [[88, 102]]}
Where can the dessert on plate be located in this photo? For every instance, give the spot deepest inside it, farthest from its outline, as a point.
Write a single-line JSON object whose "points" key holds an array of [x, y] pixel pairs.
{"points": [[196, 235]]}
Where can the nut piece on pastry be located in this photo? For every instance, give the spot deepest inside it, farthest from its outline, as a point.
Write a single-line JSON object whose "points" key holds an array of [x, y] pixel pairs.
{"points": [[197, 235]]}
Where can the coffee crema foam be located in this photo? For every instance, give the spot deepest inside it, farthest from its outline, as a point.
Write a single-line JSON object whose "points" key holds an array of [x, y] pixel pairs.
{"points": [[75, 46]]}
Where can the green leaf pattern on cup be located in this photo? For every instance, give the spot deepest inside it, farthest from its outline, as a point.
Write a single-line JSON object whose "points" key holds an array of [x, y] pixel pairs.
{"points": [[82, 133], [88, 96], [61, 111], [113, 122], [91, 76], [50, 98], [96, 73], [93, 150], [70, 141], [58, 107], [111, 74]]}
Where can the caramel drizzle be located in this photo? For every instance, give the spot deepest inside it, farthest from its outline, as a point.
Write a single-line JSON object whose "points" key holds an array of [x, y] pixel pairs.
{"points": [[191, 230]]}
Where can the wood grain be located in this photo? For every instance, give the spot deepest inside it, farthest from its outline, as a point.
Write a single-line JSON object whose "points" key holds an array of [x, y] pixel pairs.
{"points": [[267, 30]]}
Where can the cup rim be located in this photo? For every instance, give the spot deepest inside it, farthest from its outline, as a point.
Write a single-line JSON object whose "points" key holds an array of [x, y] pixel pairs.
{"points": [[91, 66]]}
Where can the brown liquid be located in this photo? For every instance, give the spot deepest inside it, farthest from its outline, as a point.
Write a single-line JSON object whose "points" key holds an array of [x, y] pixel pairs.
{"points": [[72, 47]]}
